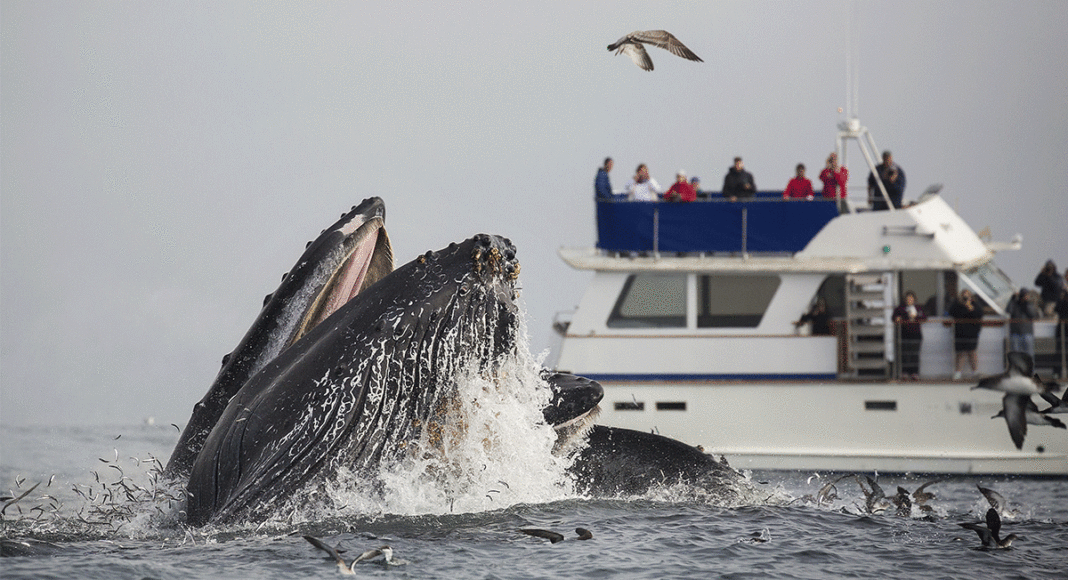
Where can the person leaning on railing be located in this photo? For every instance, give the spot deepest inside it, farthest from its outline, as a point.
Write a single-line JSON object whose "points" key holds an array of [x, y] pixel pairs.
{"points": [[909, 317]]}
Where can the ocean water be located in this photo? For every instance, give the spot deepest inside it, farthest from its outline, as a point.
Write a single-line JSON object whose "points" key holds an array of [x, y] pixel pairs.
{"points": [[97, 513]]}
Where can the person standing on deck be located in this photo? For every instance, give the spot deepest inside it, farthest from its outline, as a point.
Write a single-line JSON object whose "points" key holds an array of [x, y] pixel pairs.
{"points": [[834, 178], [909, 318], [800, 187], [602, 187], [967, 322], [738, 183], [1022, 312], [681, 190], [1050, 283], [893, 178], [642, 187]]}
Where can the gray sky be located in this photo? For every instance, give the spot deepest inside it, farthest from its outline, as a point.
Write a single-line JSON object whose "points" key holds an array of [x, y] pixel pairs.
{"points": [[164, 163]]}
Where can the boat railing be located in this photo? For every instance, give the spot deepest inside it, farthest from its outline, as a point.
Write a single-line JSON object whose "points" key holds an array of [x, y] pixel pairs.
{"points": [[937, 355], [763, 224]]}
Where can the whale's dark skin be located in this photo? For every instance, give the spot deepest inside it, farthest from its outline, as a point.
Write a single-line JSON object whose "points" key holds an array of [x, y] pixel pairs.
{"points": [[621, 462], [347, 257], [363, 384]]}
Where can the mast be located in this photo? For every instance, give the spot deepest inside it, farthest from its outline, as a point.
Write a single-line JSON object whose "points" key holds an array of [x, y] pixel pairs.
{"points": [[851, 129]]}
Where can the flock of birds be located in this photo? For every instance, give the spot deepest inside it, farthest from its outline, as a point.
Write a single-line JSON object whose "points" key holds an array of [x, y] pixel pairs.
{"points": [[875, 502]]}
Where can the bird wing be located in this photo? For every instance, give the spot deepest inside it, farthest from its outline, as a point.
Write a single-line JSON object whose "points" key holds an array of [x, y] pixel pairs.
{"points": [[1050, 398], [322, 546], [370, 554], [875, 488], [1015, 408], [984, 534], [667, 41], [921, 495], [1021, 363], [997, 501], [637, 53], [993, 522]]}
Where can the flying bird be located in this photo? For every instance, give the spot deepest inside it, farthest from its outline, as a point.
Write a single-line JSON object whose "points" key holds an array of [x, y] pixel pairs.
{"points": [[1018, 382], [631, 45]]}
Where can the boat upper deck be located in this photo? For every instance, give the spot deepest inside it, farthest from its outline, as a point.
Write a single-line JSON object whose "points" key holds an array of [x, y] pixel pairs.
{"points": [[773, 234], [765, 223]]}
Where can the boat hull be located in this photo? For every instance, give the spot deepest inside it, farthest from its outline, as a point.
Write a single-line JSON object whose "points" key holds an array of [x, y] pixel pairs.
{"points": [[916, 427]]}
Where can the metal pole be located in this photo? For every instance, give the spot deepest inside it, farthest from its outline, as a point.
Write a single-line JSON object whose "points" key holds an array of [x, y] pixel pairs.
{"points": [[1062, 327], [745, 231], [656, 231]]}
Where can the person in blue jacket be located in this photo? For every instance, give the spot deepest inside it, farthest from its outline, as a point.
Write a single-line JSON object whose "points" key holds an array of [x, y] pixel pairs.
{"points": [[602, 188]]}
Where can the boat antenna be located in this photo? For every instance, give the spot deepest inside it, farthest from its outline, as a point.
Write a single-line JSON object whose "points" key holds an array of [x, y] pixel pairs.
{"points": [[851, 129]]}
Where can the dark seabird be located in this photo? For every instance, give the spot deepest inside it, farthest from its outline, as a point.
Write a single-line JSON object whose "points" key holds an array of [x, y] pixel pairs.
{"points": [[902, 501], [874, 500], [631, 45], [996, 501], [1035, 417], [1018, 382], [553, 537], [385, 551], [921, 497], [828, 493], [550, 535], [1019, 377], [990, 535]]}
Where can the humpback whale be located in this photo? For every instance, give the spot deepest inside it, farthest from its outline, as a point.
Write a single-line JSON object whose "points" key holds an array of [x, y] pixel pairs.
{"points": [[350, 255], [353, 365], [362, 385]]}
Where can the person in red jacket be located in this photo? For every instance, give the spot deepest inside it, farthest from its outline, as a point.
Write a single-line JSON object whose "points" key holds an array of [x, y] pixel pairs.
{"points": [[834, 178], [799, 187], [681, 190]]}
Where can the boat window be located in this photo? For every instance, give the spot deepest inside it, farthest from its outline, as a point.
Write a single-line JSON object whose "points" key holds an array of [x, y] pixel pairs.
{"points": [[990, 282], [651, 301], [734, 301]]}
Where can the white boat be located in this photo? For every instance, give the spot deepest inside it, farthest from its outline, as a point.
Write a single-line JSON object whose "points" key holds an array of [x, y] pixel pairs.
{"points": [[689, 325]]}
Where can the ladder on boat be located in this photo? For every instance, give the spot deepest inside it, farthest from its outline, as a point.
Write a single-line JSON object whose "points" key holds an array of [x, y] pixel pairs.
{"points": [[869, 331]]}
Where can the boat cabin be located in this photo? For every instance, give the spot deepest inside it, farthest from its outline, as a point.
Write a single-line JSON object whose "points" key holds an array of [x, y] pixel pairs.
{"points": [[711, 290]]}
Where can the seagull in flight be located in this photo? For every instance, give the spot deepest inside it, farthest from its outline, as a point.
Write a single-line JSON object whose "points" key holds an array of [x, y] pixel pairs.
{"points": [[632, 46]]}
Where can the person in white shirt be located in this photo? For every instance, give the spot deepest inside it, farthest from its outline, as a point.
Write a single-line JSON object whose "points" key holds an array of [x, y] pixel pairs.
{"points": [[642, 187]]}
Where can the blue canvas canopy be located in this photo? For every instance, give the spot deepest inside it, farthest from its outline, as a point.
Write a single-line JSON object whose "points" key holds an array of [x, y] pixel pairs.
{"points": [[760, 224]]}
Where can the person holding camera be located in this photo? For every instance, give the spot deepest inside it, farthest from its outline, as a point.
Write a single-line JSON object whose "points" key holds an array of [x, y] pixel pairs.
{"points": [[967, 322], [909, 318], [893, 178], [1022, 310]]}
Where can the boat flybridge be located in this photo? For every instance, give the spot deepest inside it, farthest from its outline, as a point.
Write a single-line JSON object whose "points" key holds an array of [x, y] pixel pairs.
{"points": [[689, 325]]}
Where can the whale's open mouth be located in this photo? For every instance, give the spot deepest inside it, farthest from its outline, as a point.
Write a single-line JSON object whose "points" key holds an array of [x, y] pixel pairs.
{"points": [[574, 431], [369, 257]]}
